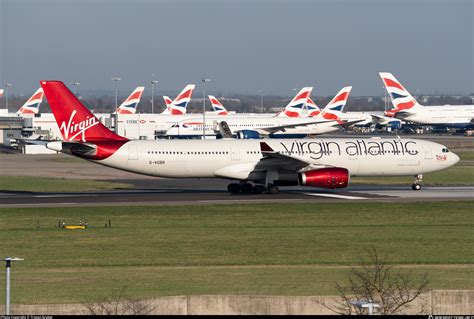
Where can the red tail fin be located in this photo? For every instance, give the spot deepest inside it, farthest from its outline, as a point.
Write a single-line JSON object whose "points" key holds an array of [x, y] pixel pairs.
{"points": [[75, 121]]}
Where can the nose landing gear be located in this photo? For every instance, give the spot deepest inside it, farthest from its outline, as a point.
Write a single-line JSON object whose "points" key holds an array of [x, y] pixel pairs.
{"points": [[416, 183]]}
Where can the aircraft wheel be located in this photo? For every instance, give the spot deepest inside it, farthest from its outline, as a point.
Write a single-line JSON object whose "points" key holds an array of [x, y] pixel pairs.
{"points": [[258, 189], [273, 189], [246, 188], [233, 188], [416, 187]]}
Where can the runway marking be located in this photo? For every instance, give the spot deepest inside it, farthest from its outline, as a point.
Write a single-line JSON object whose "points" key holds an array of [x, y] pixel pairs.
{"points": [[248, 200], [63, 195], [334, 196]]}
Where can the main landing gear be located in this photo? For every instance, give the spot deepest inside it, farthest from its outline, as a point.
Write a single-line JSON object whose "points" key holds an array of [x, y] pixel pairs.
{"points": [[247, 188], [416, 183]]}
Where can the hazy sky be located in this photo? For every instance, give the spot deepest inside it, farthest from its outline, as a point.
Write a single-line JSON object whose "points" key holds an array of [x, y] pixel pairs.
{"points": [[243, 46]]}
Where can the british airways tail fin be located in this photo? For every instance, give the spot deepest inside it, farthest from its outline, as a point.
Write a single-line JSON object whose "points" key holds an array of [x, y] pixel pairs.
{"points": [[217, 106], [179, 104], [168, 102], [129, 106], [32, 105], [297, 104], [75, 121], [313, 109], [333, 110], [401, 98]]}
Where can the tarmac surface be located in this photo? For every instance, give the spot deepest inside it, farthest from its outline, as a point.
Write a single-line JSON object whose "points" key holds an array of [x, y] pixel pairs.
{"points": [[213, 191]]}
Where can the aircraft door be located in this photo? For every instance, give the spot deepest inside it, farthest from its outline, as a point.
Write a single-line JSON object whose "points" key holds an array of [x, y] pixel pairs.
{"points": [[427, 151], [234, 153], [132, 152]]}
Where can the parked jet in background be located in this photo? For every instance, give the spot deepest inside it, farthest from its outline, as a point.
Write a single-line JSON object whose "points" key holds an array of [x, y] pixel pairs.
{"points": [[179, 104], [32, 105], [312, 108], [219, 109], [167, 100], [297, 104], [129, 106], [408, 109], [325, 163]]}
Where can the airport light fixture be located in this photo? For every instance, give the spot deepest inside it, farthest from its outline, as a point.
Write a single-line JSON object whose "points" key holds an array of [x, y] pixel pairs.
{"points": [[204, 107], [6, 94], [74, 85], [153, 82], [261, 100], [8, 261], [116, 79]]}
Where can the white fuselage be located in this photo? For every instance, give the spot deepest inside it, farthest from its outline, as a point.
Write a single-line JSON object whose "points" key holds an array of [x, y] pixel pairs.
{"points": [[139, 125], [439, 115], [194, 126], [364, 117], [242, 159]]}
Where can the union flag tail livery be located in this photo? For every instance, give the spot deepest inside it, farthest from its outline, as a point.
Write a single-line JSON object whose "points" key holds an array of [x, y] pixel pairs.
{"points": [[313, 109], [333, 110], [179, 104], [129, 106], [32, 105], [296, 106], [167, 100], [217, 106], [75, 121], [401, 98]]}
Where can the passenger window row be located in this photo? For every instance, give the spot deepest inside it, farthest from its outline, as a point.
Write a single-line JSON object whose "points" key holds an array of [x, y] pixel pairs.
{"points": [[188, 153]]}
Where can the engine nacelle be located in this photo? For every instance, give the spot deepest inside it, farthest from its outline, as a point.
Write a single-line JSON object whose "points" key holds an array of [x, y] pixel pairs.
{"points": [[248, 134], [395, 125], [331, 177]]}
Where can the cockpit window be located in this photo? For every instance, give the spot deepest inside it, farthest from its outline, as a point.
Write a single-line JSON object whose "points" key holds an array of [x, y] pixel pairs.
{"points": [[445, 150]]}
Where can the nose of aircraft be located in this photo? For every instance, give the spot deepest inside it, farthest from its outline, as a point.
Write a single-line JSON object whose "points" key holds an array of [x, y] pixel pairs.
{"points": [[455, 159]]}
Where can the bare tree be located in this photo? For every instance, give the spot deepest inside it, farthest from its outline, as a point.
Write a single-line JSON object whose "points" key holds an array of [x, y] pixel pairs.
{"points": [[377, 280], [118, 303]]}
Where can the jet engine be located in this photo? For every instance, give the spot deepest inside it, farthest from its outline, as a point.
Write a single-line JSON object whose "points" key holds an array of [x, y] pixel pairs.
{"points": [[331, 177], [247, 134], [395, 125]]}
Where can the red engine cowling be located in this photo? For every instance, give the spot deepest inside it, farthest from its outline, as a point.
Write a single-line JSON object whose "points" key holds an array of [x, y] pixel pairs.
{"points": [[331, 177]]}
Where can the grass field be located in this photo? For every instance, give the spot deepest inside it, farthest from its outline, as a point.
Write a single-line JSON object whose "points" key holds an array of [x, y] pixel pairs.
{"points": [[289, 249], [51, 184]]}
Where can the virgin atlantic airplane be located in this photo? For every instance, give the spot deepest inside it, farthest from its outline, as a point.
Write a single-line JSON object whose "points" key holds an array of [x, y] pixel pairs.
{"points": [[322, 162]]}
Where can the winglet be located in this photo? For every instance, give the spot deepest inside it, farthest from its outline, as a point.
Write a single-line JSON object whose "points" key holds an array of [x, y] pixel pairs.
{"points": [[264, 147]]}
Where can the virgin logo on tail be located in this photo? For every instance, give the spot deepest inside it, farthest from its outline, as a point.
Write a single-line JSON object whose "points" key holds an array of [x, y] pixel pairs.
{"points": [[72, 129]]}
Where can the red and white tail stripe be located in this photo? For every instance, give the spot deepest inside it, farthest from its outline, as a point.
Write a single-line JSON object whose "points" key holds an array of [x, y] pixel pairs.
{"points": [[401, 98], [32, 105], [217, 106], [129, 106], [313, 109], [333, 110], [297, 104]]}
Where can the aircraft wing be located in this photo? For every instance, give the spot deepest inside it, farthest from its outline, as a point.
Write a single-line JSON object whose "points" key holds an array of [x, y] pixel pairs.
{"points": [[346, 124], [276, 160], [274, 129], [378, 118]]}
